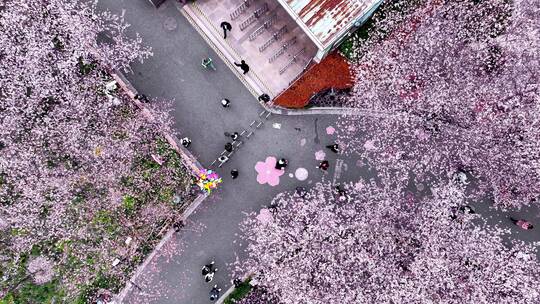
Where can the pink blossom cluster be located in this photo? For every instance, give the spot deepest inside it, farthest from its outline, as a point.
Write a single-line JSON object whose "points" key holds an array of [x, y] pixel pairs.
{"points": [[41, 270], [454, 88], [70, 142], [385, 246], [258, 295]]}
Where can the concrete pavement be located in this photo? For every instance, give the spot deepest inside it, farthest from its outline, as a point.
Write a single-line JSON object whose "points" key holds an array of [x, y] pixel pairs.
{"points": [[175, 72]]}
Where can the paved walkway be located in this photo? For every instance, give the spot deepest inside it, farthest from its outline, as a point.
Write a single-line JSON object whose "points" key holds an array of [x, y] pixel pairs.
{"points": [[174, 72]]}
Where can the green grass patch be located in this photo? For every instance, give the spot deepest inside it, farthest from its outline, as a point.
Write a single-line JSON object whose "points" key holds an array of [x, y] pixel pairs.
{"points": [[239, 292], [349, 47], [105, 220], [102, 281], [129, 204], [30, 293]]}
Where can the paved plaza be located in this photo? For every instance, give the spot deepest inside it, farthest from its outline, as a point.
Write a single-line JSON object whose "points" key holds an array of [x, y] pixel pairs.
{"points": [[174, 72]]}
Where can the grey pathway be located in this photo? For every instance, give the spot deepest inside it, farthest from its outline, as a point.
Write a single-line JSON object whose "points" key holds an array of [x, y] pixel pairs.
{"points": [[174, 72]]}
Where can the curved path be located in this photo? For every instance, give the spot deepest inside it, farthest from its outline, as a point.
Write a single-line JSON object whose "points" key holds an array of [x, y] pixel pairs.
{"points": [[174, 72]]}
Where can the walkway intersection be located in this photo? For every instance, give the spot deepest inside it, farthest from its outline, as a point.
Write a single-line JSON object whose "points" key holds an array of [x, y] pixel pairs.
{"points": [[212, 231], [175, 72]]}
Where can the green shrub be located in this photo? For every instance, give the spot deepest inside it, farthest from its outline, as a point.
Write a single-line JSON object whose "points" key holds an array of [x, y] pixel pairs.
{"points": [[239, 292], [106, 221], [166, 194], [30, 293], [129, 204], [102, 281]]}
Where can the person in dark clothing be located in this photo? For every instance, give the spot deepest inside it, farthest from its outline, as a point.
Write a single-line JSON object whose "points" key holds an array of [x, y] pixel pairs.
{"points": [[214, 293], [226, 26], [178, 226], [210, 276], [243, 65], [324, 165], [234, 173], [342, 194], [237, 283], [264, 98], [185, 142], [281, 163], [225, 103], [206, 269], [467, 209], [301, 191], [334, 148], [141, 97], [228, 147]]}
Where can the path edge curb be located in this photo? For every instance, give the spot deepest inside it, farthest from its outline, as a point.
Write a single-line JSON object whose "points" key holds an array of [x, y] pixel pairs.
{"points": [[189, 161]]}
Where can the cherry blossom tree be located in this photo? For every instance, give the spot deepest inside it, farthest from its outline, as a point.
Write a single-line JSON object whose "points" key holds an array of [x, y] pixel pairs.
{"points": [[41, 269], [74, 152], [386, 246], [456, 89], [258, 295]]}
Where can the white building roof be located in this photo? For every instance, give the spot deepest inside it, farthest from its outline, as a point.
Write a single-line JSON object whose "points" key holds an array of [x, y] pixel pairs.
{"points": [[326, 20]]}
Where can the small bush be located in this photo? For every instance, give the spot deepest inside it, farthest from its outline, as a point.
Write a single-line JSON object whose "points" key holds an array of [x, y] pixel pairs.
{"points": [[239, 292]]}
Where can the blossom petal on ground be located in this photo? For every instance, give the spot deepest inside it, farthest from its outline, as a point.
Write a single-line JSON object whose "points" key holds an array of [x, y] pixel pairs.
{"points": [[267, 172], [370, 145], [265, 216], [330, 130], [320, 155], [301, 174]]}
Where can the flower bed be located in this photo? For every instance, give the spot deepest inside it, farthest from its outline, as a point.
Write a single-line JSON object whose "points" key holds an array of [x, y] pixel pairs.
{"points": [[88, 185], [110, 240], [332, 72]]}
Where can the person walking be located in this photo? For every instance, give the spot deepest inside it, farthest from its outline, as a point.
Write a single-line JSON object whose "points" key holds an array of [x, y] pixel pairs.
{"points": [[243, 65], [237, 282], [223, 159], [460, 177], [214, 293], [206, 269], [234, 135], [466, 209], [225, 103], [226, 26], [185, 141], [334, 148], [281, 164], [324, 165], [342, 194], [208, 63], [523, 224], [178, 226], [301, 191], [234, 173], [141, 97], [228, 147], [264, 98], [210, 276]]}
